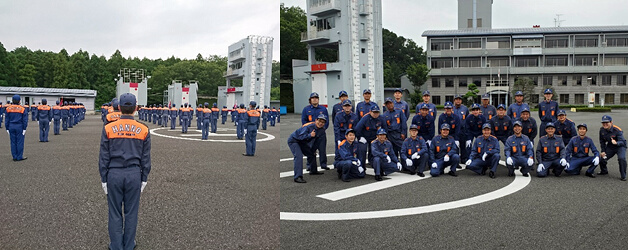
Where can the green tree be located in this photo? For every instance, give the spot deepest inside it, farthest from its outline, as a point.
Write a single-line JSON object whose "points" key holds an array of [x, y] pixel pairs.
{"points": [[275, 75], [275, 93], [27, 76], [470, 96], [417, 74], [399, 54], [293, 22], [525, 85]]}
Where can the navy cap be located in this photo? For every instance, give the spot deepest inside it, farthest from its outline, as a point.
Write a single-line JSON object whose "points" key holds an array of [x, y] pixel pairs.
{"points": [[607, 118], [424, 106], [501, 106], [57, 102], [414, 126], [206, 104], [518, 93], [561, 112], [427, 92], [374, 108], [486, 96], [115, 102], [321, 116], [342, 92], [366, 91], [388, 99], [224, 107], [349, 130], [241, 105], [253, 103], [398, 90], [314, 95], [550, 124], [215, 104], [127, 100], [444, 126], [448, 105], [346, 102], [381, 131], [44, 101], [475, 106], [16, 98], [486, 125], [517, 123], [582, 125], [525, 109], [548, 91], [458, 97]]}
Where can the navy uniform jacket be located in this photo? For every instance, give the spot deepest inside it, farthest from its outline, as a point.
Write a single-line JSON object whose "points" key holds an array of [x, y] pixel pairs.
{"points": [[302, 134], [2, 109], [502, 127], [343, 122], [490, 146], [367, 126], [518, 147], [16, 117], [348, 151], [566, 130], [403, 106], [224, 111], [56, 112], [548, 111], [215, 113], [113, 116], [550, 148], [364, 108], [454, 122], [441, 147], [489, 111], [580, 148], [473, 126], [430, 106], [396, 121], [605, 137], [337, 109], [241, 115], [383, 149], [124, 143], [173, 113], [205, 114], [528, 128], [461, 111], [411, 146], [310, 113], [425, 125], [65, 112], [44, 113], [514, 111], [252, 121]]}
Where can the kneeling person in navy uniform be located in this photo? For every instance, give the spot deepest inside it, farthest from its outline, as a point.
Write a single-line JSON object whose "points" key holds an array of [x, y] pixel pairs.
{"points": [[577, 152], [518, 151], [612, 142], [348, 165], [484, 153], [124, 166], [414, 152], [385, 161], [550, 153], [444, 152]]}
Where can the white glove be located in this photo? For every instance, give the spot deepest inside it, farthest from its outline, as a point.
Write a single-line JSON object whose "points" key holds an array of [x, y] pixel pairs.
{"points": [[532, 144], [468, 143], [596, 161], [408, 162], [446, 158], [362, 140], [143, 186], [484, 157], [24, 132], [201, 124], [104, 187], [509, 160], [416, 156], [8, 133], [359, 162], [399, 166], [361, 169], [429, 143], [468, 162], [245, 131], [339, 142], [50, 123], [38, 123], [355, 163], [567, 167], [563, 162], [540, 168], [434, 165], [530, 162], [388, 158], [457, 144]]}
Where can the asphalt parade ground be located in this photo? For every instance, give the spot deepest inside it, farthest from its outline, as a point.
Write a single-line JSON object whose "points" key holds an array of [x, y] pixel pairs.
{"points": [[465, 212], [200, 194]]}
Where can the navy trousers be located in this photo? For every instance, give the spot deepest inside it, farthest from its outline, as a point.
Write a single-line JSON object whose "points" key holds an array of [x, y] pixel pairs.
{"points": [[123, 187]]}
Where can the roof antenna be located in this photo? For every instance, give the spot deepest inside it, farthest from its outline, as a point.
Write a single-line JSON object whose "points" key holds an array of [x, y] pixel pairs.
{"points": [[557, 20]]}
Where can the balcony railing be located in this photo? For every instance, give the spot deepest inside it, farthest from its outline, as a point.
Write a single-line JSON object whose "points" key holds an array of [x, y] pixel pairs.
{"points": [[323, 7], [315, 35]]}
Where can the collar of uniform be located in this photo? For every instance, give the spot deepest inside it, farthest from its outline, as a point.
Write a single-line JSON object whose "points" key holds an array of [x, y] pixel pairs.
{"points": [[126, 117]]}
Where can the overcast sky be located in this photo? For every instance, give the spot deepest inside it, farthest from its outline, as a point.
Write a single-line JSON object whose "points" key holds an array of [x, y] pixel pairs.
{"points": [[152, 29], [409, 18]]}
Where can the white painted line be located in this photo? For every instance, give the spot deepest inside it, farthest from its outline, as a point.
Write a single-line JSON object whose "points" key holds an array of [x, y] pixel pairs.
{"points": [[289, 159], [291, 173], [210, 134], [268, 137]]}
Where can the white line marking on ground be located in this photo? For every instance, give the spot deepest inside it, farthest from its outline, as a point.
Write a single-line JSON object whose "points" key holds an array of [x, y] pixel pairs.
{"points": [[268, 137]]}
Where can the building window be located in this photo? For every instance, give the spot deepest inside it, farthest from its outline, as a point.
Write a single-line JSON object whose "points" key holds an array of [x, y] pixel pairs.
{"points": [[547, 80], [562, 80], [363, 76], [564, 98], [462, 82], [498, 62], [579, 99], [585, 60], [616, 42], [621, 80], [534, 79], [534, 98], [556, 43], [363, 50], [442, 63], [526, 62], [527, 43], [435, 82], [606, 80], [577, 80], [623, 99], [615, 60], [436, 99], [592, 80], [477, 81], [470, 44], [597, 98], [449, 82], [469, 63], [555, 61], [449, 98], [478, 23], [609, 98], [585, 42], [441, 45]]}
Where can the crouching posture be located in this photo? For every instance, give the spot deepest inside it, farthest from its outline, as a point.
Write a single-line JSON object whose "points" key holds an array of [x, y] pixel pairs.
{"points": [[347, 164]]}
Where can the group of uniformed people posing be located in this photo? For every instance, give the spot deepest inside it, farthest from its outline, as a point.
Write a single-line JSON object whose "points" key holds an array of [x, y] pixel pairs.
{"points": [[472, 137]]}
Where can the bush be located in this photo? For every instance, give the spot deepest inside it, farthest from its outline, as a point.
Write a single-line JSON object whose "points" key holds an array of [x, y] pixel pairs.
{"points": [[594, 109]]}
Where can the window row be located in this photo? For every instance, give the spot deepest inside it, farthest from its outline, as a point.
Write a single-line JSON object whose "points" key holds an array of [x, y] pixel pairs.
{"points": [[530, 61], [547, 42], [558, 80], [609, 98]]}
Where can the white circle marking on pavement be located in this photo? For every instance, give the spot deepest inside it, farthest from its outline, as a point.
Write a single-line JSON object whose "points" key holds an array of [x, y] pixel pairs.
{"points": [[268, 137]]}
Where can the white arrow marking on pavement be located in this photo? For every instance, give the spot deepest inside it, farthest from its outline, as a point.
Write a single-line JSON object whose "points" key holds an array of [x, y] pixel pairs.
{"points": [[268, 137]]}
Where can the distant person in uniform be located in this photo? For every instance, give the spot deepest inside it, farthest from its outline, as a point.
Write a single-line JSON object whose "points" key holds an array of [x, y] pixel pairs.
{"points": [[65, 116], [56, 115], [550, 153], [251, 126], [414, 153], [484, 153], [3, 109], [16, 123], [612, 142], [514, 110], [519, 152], [443, 153], [115, 114], [548, 112], [124, 165], [347, 163], [44, 118], [577, 152], [431, 108]]}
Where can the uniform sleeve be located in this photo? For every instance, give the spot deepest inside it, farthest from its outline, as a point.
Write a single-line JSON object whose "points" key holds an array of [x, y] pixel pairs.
{"points": [[417, 109], [496, 149], [24, 120], [440, 123], [326, 116], [104, 156], [569, 149], [507, 147], [432, 149], [602, 141], [404, 149], [509, 111], [431, 129], [404, 125], [539, 150], [530, 150], [621, 142], [423, 146], [562, 149], [304, 119], [345, 155], [534, 130], [337, 126], [360, 127], [376, 152], [303, 133], [574, 132], [333, 114], [454, 150], [474, 150], [406, 111], [146, 162]]}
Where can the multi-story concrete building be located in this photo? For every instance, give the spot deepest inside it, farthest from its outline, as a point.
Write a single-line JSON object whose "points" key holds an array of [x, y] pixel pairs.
{"points": [[351, 31], [180, 94], [575, 61], [250, 60], [133, 81]]}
